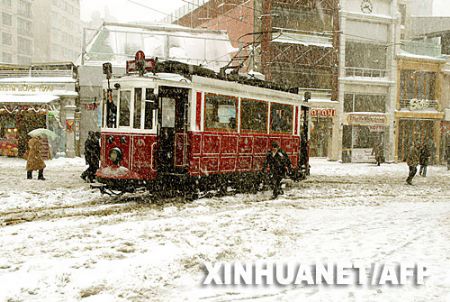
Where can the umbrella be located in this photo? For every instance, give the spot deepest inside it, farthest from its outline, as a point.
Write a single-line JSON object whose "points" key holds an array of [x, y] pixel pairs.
{"points": [[42, 132]]}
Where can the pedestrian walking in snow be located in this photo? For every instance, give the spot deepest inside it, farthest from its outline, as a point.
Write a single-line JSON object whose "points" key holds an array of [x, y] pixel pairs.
{"points": [[378, 151], [278, 162], [34, 159], [92, 156], [412, 160], [424, 159]]}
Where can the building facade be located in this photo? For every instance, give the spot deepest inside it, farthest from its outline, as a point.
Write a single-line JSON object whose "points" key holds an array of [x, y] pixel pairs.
{"points": [[39, 96], [16, 31], [56, 30], [291, 42], [367, 78], [419, 109]]}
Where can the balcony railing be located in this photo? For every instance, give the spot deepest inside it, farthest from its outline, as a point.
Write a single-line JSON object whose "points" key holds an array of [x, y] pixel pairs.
{"points": [[365, 72], [419, 104]]}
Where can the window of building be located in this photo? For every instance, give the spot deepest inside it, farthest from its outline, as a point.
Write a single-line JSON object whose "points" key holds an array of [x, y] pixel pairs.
{"points": [[254, 116], [24, 8], [402, 10], [417, 85], [6, 39], [23, 60], [281, 118], [364, 138], [220, 112], [23, 27], [6, 3], [365, 56], [24, 46], [124, 111], [6, 57], [6, 19], [364, 103]]}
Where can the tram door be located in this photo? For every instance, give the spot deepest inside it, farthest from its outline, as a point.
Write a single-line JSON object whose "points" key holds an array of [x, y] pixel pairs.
{"points": [[172, 128]]}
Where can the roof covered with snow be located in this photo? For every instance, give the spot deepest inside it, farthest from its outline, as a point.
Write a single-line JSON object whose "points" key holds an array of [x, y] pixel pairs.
{"points": [[117, 43], [408, 55]]}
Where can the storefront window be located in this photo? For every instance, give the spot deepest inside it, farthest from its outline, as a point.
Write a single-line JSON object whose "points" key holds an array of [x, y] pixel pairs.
{"points": [[124, 114], [220, 112], [365, 138], [254, 116], [281, 118]]}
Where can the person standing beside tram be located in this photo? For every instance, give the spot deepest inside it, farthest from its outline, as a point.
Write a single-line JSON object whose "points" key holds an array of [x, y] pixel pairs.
{"points": [[279, 163]]}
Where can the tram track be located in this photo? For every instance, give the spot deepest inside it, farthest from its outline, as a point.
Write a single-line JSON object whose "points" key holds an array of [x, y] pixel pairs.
{"points": [[143, 202]]}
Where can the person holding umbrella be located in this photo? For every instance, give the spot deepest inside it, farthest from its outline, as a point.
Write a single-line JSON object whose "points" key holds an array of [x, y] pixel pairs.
{"points": [[34, 158]]}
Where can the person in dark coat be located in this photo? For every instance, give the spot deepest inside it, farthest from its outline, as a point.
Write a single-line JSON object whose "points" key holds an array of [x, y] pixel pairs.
{"points": [[92, 156], [279, 163], [34, 159], [378, 151], [424, 159], [412, 160]]}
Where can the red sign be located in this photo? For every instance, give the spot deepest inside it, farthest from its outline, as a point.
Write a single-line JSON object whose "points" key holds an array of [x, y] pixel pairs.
{"points": [[322, 112], [140, 55], [149, 65]]}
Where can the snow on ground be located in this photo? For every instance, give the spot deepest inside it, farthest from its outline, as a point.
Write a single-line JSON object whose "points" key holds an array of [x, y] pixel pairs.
{"points": [[61, 241]]}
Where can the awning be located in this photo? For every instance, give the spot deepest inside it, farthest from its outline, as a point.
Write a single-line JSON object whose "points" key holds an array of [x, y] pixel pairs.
{"points": [[27, 99]]}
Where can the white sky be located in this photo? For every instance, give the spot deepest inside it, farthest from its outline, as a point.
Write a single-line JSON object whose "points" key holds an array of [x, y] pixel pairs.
{"points": [[127, 11]]}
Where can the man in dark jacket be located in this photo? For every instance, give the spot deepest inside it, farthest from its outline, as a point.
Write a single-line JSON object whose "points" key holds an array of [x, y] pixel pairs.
{"points": [[424, 159], [278, 162], [412, 160], [92, 156]]}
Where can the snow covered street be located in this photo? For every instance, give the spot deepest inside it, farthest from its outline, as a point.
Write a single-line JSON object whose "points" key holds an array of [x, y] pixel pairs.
{"points": [[62, 241]]}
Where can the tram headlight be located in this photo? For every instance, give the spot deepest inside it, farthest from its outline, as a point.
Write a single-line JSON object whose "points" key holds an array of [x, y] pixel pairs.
{"points": [[115, 155]]}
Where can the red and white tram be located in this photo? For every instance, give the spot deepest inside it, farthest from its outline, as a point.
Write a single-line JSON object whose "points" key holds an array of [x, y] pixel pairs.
{"points": [[172, 130]]}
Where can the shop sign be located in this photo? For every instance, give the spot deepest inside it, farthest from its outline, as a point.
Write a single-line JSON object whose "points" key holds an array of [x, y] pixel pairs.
{"points": [[376, 128], [322, 112], [22, 108], [420, 104], [366, 119], [362, 155], [26, 88]]}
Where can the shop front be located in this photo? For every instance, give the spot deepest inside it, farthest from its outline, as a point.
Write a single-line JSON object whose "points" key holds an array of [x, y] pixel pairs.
{"points": [[26, 106], [361, 133], [418, 128], [321, 131]]}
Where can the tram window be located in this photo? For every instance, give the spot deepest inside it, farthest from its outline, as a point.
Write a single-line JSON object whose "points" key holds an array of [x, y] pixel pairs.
{"points": [[149, 107], [253, 116], [110, 108], [124, 114], [168, 113], [137, 108], [220, 112], [281, 118]]}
